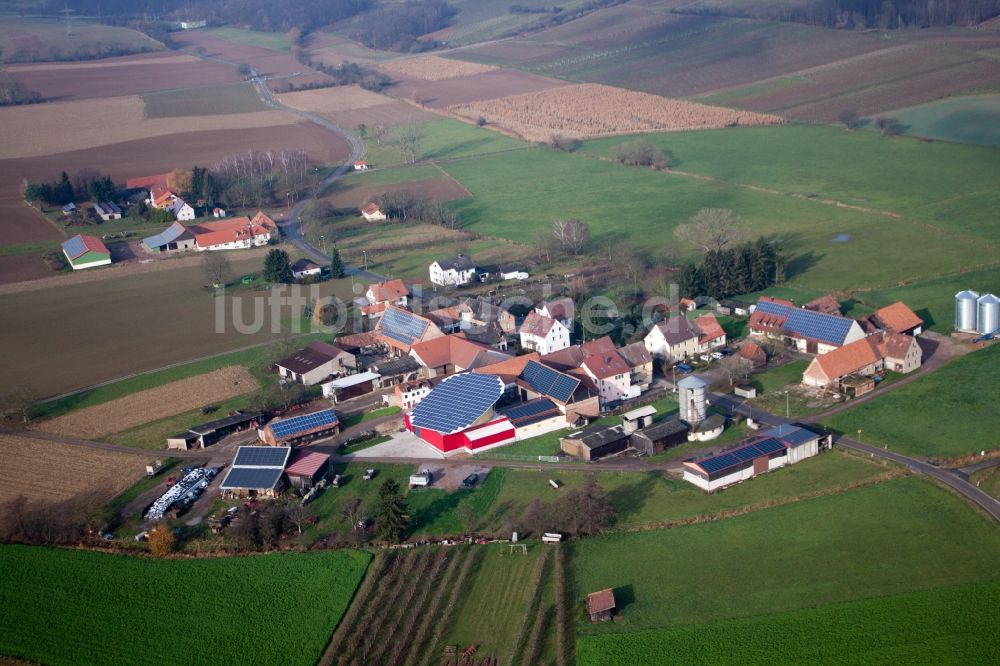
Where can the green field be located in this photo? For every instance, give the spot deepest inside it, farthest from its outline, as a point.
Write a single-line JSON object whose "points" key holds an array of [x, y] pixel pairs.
{"points": [[900, 536], [440, 140], [974, 119], [951, 412], [210, 101], [78, 607], [950, 625], [276, 41], [40, 39]]}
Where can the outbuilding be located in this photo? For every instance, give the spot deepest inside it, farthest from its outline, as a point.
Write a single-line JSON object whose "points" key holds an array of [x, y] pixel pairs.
{"points": [[257, 471], [82, 251], [595, 442], [351, 386], [307, 468], [300, 429], [203, 435], [601, 605], [660, 436]]}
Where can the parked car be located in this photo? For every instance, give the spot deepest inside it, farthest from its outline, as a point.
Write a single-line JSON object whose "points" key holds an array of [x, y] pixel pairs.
{"points": [[369, 474], [705, 357], [716, 355], [727, 351], [470, 480], [683, 368]]}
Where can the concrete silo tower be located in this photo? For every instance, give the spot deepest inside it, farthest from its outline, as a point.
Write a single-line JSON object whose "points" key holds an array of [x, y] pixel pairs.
{"points": [[691, 394]]}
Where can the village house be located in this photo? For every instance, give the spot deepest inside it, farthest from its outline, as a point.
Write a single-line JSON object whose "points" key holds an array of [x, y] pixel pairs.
{"points": [[841, 369], [361, 165], [182, 211], [303, 268], [602, 365], [408, 394], [640, 362], [234, 233], [450, 354], [400, 329], [562, 310], [107, 210], [677, 338], [457, 271], [83, 251], [808, 331], [372, 212], [543, 334], [448, 319], [481, 312], [316, 363], [391, 292]]}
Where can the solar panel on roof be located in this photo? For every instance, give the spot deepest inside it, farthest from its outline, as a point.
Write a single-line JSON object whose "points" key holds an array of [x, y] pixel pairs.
{"points": [[532, 412], [292, 426], [457, 402], [261, 456], [252, 478], [547, 381], [794, 435], [735, 457], [75, 247], [401, 326], [819, 326]]}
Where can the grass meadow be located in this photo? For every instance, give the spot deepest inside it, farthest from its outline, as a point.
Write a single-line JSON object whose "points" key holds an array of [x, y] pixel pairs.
{"points": [[900, 536], [209, 101], [951, 412], [78, 607], [954, 624], [444, 139], [971, 119]]}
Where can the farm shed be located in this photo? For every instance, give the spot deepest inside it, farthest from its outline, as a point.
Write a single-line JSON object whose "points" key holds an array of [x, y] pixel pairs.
{"points": [[203, 435], [660, 436], [392, 371], [300, 429], [898, 318], [595, 442], [307, 468], [600, 605], [83, 251], [351, 386], [638, 418], [733, 308], [174, 237], [303, 268], [257, 471], [107, 210], [315, 363]]}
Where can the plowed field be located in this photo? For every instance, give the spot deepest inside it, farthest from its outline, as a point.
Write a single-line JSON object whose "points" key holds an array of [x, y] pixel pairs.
{"points": [[591, 110], [435, 68]]}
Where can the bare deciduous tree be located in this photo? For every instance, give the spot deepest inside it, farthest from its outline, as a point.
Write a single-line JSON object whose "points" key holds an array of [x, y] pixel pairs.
{"points": [[712, 229], [408, 139], [572, 234], [218, 272], [380, 132], [737, 371], [17, 404], [849, 118]]}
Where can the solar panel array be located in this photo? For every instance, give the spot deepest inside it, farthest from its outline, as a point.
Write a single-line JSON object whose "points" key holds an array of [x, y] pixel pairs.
{"points": [[770, 308], [262, 456], [401, 325], [547, 381], [457, 402], [75, 247], [251, 478], [819, 326], [736, 457], [297, 424], [532, 412], [794, 435]]}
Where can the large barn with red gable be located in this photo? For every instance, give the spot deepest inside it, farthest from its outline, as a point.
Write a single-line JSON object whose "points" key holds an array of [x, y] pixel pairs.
{"points": [[459, 415]]}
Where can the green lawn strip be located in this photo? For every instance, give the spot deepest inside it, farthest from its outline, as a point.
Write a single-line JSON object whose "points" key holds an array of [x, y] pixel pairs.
{"points": [[947, 625], [951, 412], [215, 100], [141, 486], [361, 444], [442, 140], [355, 419], [275, 41], [45, 617], [988, 480], [899, 536], [35, 247]]}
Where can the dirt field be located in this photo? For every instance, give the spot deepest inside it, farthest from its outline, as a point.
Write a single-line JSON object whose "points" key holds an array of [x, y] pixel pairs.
{"points": [[17, 267], [434, 68], [153, 404], [466, 89], [341, 98], [20, 224], [438, 189], [52, 471], [26, 131], [590, 110], [130, 75]]}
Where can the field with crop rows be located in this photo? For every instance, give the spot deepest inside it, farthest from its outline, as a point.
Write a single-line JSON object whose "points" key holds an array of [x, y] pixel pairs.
{"points": [[951, 623], [153, 404], [590, 110], [914, 419], [921, 536], [213, 101], [50, 471], [434, 68], [93, 608]]}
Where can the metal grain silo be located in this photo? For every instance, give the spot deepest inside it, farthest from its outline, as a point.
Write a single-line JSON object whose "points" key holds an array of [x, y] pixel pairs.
{"points": [[691, 396], [966, 307], [989, 314]]}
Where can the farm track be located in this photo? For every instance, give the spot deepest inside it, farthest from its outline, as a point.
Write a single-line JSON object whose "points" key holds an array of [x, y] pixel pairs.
{"points": [[565, 652]]}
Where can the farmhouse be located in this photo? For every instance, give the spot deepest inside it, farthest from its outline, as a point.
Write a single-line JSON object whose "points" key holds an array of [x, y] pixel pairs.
{"points": [[175, 237], [641, 363], [182, 210], [457, 271], [408, 394], [372, 212], [307, 468], [898, 318], [677, 338], [203, 435], [83, 251], [543, 334], [600, 605], [536, 380], [234, 233], [361, 165], [400, 329], [774, 448], [300, 429], [450, 354], [481, 313], [602, 364], [595, 442], [257, 472], [839, 369], [315, 363], [806, 330], [391, 292], [107, 210], [459, 415], [303, 268]]}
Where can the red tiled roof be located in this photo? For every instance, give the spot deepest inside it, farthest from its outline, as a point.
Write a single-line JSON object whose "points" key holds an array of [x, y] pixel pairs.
{"points": [[895, 345], [306, 463], [779, 301], [509, 370], [447, 350], [226, 231], [146, 182], [897, 318], [763, 320], [850, 358], [600, 601], [389, 290], [752, 351], [261, 219], [358, 340], [90, 244], [708, 327], [826, 304], [537, 325], [374, 308], [606, 365], [370, 208]]}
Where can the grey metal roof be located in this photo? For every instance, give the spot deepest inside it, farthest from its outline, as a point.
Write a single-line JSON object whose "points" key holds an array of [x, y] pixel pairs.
{"points": [[664, 428], [598, 436], [212, 426], [692, 382], [459, 263], [168, 235]]}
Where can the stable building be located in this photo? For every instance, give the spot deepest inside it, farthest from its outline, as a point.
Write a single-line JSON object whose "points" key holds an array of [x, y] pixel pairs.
{"points": [[595, 442], [315, 363], [82, 251], [206, 434], [307, 468], [808, 331], [257, 472], [300, 429], [176, 237], [459, 415], [659, 437]]}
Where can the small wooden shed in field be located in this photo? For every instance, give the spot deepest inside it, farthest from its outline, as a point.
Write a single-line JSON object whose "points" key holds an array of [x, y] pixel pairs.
{"points": [[600, 605]]}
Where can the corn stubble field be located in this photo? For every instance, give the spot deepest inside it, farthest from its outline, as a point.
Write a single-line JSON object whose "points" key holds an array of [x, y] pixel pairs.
{"points": [[592, 110], [434, 68]]}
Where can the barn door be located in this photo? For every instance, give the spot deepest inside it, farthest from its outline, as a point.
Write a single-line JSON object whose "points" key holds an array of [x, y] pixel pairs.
{"points": [[811, 346], [760, 465]]}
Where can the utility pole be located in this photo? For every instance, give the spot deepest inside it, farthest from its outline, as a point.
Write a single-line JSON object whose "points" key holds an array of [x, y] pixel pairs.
{"points": [[69, 27]]}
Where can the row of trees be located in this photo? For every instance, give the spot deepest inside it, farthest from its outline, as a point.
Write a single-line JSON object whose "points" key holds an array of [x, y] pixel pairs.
{"points": [[44, 522], [406, 206], [738, 270], [259, 177], [13, 93], [641, 153], [346, 73]]}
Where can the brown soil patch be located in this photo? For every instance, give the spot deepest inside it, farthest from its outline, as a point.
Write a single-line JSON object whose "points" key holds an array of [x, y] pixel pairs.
{"points": [[20, 223], [438, 189], [591, 109], [153, 404], [465, 89], [123, 61], [27, 131], [18, 267], [52, 471], [435, 68], [390, 115], [341, 98]]}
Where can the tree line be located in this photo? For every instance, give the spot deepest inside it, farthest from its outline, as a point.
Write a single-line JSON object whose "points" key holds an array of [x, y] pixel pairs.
{"points": [[397, 26], [63, 191], [344, 74], [863, 14], [738, 270]]}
